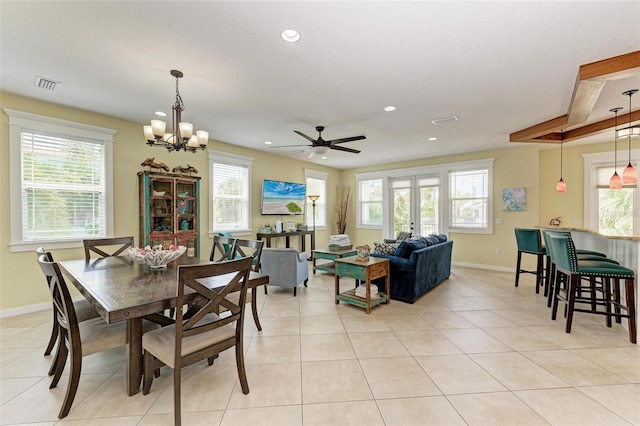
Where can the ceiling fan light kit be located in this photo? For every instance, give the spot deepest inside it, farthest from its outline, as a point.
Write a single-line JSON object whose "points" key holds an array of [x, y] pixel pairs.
{"points": [[184, 138], [320, 146]]}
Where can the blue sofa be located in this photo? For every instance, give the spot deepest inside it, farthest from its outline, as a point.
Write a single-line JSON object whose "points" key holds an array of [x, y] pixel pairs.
{"points": [[417, 266]]}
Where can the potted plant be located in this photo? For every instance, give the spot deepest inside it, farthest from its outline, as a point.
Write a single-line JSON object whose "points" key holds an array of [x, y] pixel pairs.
{"points": [[266, 229], [301, 227]]}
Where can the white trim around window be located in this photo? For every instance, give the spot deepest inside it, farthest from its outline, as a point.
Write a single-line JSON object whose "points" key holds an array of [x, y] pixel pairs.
{"points": [[240, 167], [52, 127], [320, 189]]}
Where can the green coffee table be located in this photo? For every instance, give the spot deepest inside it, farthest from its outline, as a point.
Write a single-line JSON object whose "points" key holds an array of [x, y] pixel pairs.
{"points": [[330, 255]]}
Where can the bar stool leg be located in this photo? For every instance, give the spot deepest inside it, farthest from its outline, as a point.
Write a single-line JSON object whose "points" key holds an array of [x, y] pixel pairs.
{"points": [[572, 289], [631, 308], [607, 299]]}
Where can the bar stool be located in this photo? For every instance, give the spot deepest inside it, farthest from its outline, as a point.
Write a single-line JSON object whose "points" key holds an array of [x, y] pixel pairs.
{"points": [[566, 260], [550, 274], [529, 242]]}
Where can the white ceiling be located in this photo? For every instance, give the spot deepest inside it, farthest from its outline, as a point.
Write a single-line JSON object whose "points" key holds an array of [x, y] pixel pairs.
{"points": [[499, 66]]}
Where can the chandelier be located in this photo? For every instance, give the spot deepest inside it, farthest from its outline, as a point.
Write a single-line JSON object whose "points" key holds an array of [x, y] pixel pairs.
{"points": [[184, 139]]}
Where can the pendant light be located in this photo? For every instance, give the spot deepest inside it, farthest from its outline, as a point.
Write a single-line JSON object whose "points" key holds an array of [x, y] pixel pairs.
{"points": [[561, 186], [630, 174], [616, 181]]}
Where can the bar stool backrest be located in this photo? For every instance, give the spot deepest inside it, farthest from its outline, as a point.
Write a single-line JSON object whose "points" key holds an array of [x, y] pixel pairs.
{"points": [[528, 240], [564, 252]]}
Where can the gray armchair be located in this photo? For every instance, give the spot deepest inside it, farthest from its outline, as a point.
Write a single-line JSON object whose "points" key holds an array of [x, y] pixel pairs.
{"points": [[286, 267]]}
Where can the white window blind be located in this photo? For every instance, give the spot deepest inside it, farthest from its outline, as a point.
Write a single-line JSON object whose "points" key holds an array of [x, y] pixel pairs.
{"points": [[63, 188], [230, 192], [370, 202], [469, 199]]}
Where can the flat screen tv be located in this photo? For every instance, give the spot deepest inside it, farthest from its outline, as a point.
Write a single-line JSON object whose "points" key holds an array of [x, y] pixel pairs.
{"points": [[283, 198]]}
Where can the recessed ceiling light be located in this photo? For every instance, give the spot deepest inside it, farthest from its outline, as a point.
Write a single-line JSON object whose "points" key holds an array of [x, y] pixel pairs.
{"points": [[160, 114], [268, 142], [324, 158], [433, 139], [389, 108], [290, 36]]}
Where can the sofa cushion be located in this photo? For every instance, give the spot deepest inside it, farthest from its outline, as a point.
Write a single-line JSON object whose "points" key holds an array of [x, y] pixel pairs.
{"points": [[405, 248], [385, 248], [432, 240]]}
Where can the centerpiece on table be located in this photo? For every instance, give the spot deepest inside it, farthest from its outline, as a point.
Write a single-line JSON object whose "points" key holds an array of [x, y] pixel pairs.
{"points": [[156, 257]]}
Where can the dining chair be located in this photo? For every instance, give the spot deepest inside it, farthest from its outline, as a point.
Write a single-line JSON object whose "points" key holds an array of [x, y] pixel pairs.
{"points": [[199, 333], [98, 245], [222, 249], [251, 248], [77, 339], [84, 311]]}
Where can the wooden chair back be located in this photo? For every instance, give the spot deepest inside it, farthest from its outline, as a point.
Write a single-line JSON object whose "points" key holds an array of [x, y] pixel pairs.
{"points": [[99, 245], [251, 248], [223, 249]]}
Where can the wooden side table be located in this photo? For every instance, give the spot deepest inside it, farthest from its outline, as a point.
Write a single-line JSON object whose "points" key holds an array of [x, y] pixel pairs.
{"points": [[330, 255], [365, 271]]}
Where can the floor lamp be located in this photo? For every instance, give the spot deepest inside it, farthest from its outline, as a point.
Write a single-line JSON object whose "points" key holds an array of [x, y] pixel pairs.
{"points": [[313, 199]]}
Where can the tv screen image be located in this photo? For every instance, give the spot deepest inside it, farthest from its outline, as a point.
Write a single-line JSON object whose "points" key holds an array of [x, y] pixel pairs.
{"points": [[283, 198]]}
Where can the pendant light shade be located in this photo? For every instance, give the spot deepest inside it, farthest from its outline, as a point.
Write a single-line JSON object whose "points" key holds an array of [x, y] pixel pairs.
{"points": [[630, 174], [561, 186], [616, 181]]}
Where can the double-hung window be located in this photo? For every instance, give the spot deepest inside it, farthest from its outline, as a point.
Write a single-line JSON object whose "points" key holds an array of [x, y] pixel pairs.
{"points": [[370, 203], [316, 185], [230, 192], [469, 200], [60, 181]]}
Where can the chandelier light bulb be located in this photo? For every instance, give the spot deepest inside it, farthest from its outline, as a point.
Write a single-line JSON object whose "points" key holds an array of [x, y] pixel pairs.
{"points": [[561, 186], [615, 182]]}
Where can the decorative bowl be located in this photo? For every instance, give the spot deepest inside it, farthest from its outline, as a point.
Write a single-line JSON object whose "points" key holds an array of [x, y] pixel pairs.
{"points": [[159, 193], [156, 257]]}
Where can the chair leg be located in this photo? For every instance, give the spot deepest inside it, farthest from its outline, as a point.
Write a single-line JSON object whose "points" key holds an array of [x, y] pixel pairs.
{"points": [[539, 272], [54, 362], [305, 282], [552, 284], [72, 387], [265, 289], [631, 308], [54, 335], [573, 283], [294, 291], [61, 360], [242, 374], [607, 299], [177, 408], [547, 277], [556, 295], [616, 299], [518, 267], [254, 309]]}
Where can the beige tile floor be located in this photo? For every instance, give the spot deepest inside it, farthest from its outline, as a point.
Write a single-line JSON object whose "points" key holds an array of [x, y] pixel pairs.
{"points": [[475, 351]]}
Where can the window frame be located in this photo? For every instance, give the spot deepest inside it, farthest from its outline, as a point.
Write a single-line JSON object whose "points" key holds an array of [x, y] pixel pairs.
{"points": [[441, 170], [592, 161], [321, 204], [366, 177], [488, 229], [236, 161], [34, 123]]}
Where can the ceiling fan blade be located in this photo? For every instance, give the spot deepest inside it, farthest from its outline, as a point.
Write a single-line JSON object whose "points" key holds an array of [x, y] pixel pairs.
{"points": [[343, 140], [286, 146], [342, 148], [305, 136]]}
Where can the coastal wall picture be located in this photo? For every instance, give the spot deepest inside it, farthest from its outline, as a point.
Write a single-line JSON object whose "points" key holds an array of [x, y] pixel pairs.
{"points": [[514, 199]]}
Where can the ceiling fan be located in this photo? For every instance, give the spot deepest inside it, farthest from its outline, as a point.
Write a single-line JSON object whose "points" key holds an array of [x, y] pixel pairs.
{"points": [[320, 146]]}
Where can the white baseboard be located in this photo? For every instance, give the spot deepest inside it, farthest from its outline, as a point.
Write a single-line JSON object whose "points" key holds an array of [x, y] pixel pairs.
{"points": [[28, 309], [481, 266]]}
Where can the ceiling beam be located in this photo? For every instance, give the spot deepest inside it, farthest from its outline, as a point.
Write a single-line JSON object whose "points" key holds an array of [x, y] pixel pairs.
{"points": [[587, 130], [589, 84]]}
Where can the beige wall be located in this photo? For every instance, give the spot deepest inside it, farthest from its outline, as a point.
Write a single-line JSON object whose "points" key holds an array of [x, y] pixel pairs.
{"points": [[21, 282], [526, 165]]}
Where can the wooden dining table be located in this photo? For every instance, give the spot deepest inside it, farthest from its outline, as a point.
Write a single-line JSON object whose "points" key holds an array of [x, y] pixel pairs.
{"points": [[123, 290]]}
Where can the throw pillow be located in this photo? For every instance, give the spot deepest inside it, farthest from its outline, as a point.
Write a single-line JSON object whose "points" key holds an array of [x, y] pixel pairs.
{"points": [[385, 248], [431, 240], [441, 237], [403, 236], [401, 249]]}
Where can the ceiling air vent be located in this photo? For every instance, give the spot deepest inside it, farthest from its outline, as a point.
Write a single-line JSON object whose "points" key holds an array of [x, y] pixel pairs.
{"points": [[444, 119], [45, 83]]}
